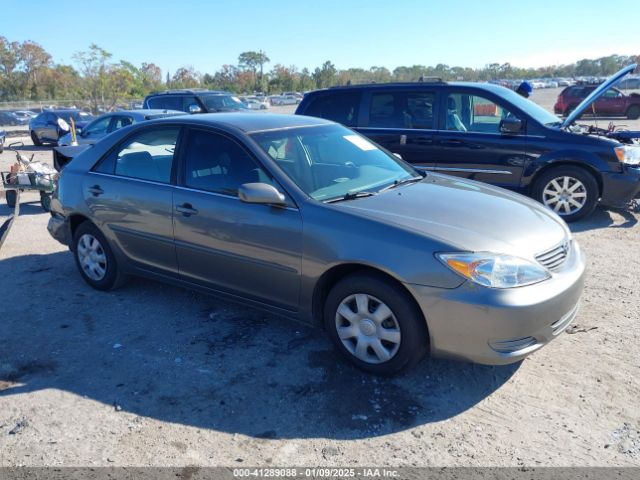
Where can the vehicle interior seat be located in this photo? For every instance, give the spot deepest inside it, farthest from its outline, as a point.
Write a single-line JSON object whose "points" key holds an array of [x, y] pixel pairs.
{"points": [[453, 119], [139, 165]]}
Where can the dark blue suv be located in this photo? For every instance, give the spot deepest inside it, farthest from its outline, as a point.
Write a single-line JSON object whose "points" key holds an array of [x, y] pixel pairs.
{"points": [[489, 133]]}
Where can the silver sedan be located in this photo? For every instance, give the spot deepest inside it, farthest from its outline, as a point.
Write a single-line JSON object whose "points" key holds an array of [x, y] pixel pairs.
{"points": [[308, 219]]}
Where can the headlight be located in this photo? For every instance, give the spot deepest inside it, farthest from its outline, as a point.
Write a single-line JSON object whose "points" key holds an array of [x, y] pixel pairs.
{"points": [[63, 124], [494, 270], [629, 154]]}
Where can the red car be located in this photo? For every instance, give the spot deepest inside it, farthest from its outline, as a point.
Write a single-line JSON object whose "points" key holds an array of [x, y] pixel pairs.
{"points": [[612, 103]]}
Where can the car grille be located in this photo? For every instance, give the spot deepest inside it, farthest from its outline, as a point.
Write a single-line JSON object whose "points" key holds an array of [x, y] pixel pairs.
{"points": [[554, 258]]}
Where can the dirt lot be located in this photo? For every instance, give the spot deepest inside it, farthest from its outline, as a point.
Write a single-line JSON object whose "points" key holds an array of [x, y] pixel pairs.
{"points": [[156, 375]]}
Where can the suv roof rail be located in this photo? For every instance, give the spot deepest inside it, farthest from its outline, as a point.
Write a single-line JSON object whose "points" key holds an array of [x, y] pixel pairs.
{"points": [[374, 84], [186, 90]]}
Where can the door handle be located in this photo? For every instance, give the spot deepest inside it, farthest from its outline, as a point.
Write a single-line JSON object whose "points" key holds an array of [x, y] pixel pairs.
{"points": [[96, 190], [422, 141], [186, 209], [453, 142]]}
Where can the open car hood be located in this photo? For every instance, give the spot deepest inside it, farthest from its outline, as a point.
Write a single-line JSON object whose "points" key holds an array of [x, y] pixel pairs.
{"points": [[597, 93]]}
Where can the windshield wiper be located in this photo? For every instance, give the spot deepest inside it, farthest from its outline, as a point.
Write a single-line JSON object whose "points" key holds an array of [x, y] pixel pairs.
{"points": [[397, 183], [351, 196]]}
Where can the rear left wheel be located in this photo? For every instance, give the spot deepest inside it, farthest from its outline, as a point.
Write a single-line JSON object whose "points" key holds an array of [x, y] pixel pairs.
{"points": [[34, 138], [569, 191], [375, 324], [95, 259], [633, 113]]}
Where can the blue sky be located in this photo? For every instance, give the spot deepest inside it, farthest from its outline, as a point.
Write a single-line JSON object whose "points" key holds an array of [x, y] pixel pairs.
{"points": [[350, 33]]}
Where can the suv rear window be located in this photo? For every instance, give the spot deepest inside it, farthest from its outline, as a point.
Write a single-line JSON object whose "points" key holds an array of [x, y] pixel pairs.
{"points": [[402, 110], [341, 107]]}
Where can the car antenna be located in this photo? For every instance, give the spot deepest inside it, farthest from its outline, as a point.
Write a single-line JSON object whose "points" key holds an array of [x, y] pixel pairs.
{"points": [[595, 116]]}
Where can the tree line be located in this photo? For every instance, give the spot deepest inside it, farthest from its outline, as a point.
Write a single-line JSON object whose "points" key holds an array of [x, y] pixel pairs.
{"points": [[28, 72]]}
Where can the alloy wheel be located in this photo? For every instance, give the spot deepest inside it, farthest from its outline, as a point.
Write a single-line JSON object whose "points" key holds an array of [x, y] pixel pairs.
{"points": [[564, 195], [367, 328]]}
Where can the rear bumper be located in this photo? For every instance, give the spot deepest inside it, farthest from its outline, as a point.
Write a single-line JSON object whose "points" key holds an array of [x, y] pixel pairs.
{"points": [[59, 229], [501, 326], [618, 189]]}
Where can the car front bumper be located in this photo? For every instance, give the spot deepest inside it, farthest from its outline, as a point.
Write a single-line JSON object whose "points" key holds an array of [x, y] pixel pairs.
{"points": [[618, 189], [501, 326]]}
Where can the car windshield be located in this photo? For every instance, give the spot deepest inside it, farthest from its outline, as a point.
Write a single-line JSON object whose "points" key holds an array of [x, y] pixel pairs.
{"points": [[77, 116], [223, 102], [330, 161], [532, 109]]}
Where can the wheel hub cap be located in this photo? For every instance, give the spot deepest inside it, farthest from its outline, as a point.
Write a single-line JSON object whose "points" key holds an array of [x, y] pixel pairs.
{"points": [[91, 257], [367, 328]]}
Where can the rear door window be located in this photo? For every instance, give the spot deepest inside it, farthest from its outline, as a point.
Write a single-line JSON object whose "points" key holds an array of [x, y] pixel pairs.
{"points": [[341, 107], [402, 110], [147, 155], [166, 103]]}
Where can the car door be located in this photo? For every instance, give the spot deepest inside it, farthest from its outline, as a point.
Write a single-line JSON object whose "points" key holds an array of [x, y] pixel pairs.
{"points": [[249, 249], [130, 195], [612, 102], [471, 145], [48, 129], [403, 122]]}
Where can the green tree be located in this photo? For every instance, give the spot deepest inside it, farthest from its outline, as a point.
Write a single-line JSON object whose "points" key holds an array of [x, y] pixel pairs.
{"points": [[94, 70], [325, 76], [251, 61]]}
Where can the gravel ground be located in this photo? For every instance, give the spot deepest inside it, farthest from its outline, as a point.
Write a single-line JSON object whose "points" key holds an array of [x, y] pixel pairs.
{"points": [[156, 375]]}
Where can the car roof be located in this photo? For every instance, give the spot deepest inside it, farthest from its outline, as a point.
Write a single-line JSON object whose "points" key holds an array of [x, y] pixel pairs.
{"points": [[250, 122], [194, 91], [489, 87], [146, 112]]}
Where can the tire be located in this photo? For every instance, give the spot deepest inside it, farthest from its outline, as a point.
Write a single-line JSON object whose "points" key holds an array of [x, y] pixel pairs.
{"points": [[105, 274], [405, 331], [34, 138], [571, 184], [12, 198], [45, 201], [633, 113]]}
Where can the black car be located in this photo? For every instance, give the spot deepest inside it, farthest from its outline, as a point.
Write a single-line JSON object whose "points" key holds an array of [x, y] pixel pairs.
{"points": [[489, 133], [195, 101], [50, 125]]}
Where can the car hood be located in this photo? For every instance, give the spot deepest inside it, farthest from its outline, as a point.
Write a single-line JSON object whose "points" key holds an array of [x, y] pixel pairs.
{"points": [[597, 93], [468, 215]]}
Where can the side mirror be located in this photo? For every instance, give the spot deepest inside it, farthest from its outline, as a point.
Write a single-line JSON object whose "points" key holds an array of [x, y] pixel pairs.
{"points": [[510, 125], [193, 108], [262, 193]]}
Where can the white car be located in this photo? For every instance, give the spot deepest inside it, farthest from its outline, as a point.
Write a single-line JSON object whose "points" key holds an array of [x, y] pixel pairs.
{"points": [[285, 100], [254, 103]]}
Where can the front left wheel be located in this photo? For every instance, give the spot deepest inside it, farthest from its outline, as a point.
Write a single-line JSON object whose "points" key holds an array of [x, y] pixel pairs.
{"points": [[570, 191], [95, 259], [375, 324]]}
